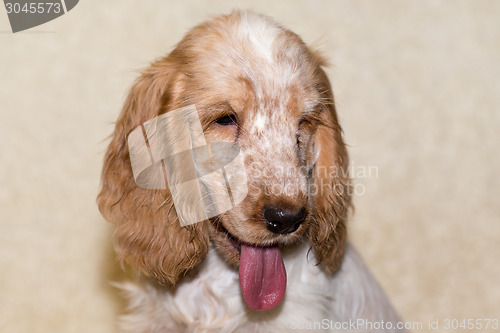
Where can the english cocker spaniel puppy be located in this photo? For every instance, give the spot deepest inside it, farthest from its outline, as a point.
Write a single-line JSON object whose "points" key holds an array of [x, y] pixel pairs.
{"points": [[278, 260]]}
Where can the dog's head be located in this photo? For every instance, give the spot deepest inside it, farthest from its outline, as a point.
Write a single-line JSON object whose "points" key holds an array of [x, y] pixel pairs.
{"points": [[256, 84]]}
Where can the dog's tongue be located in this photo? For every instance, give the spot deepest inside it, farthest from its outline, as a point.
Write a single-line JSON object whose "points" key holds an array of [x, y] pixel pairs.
{"points": [[262, 276]]}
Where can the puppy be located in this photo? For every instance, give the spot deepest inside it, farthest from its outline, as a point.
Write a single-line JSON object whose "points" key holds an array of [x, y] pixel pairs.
{"points": [[278, 260]]}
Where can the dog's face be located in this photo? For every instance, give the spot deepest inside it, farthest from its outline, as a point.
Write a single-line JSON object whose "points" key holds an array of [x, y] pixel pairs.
{"points": [[256, 84]]}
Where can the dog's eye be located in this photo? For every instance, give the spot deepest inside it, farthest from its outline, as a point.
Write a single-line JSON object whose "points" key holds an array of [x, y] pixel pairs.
{"points": [[226, 120]]}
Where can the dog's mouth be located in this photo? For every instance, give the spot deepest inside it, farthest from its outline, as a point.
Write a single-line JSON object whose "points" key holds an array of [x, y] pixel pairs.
{"points": [[262, 273]]}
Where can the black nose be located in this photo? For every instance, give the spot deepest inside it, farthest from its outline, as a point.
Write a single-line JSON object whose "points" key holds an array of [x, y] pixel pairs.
{"points": [[282, 220]]}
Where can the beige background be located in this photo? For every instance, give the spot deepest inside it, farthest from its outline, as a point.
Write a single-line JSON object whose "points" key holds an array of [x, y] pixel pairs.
{"points": [[418, 92]]}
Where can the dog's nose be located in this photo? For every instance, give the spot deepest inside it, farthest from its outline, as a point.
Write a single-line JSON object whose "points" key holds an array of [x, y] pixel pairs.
{"points": [[281, 220]]}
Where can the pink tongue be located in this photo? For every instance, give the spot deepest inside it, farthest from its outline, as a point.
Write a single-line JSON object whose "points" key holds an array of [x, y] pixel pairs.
{"points": [[262, 276]]}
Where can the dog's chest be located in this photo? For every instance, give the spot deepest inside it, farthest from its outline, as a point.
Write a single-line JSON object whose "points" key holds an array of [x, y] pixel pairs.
{"points": [[211, 299]]}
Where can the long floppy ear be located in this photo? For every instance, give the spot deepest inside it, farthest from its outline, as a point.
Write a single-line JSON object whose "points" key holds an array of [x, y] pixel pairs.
{"points": [[148, 234], [332, 199]]}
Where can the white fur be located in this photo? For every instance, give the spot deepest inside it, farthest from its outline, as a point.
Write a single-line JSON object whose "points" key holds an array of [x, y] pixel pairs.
{"points": [[260, 35], [209, 299], [259, 123]]}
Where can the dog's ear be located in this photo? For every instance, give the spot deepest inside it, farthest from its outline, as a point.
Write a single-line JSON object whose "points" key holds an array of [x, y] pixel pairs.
{"points": [[148, 234], [332, 200]]}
